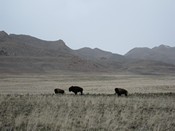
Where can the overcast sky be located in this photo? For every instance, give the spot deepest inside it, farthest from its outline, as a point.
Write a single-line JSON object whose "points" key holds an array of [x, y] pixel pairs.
{"points": [[111, 25]]}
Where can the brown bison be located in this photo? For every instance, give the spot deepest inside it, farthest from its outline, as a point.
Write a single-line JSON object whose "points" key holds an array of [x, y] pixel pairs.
{"points": [[58, 91], [121, 91], [76, 89]]}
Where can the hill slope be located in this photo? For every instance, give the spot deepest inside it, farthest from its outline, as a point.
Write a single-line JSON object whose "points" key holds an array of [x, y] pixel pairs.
{"points": [[92, 54], [161, 53], [22, 53], [23, 45], [27, 54]]}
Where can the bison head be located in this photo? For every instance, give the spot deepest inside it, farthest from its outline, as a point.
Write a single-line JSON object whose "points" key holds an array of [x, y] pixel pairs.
{"points": [[70, 89]]}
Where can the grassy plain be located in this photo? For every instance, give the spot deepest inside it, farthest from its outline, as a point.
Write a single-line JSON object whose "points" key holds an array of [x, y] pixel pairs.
{"points": [[27, 102]]}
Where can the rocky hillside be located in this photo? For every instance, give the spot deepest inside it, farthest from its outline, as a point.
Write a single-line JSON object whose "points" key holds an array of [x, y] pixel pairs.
{"points": [[91, 54], [22, 53], [23, 45], [27, 54], [161, 53]]}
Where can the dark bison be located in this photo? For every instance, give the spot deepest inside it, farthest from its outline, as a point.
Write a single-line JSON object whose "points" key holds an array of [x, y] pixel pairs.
{"points": [[121, 91], [76, 89], [58, 91]]}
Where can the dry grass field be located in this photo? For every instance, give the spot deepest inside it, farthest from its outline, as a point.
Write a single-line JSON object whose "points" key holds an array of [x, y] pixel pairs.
{"points": [[27, 102]]}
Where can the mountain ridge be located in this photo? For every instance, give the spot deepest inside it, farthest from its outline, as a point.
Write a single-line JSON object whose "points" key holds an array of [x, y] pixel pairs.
{"points": [[161, 53], [23, 53]]}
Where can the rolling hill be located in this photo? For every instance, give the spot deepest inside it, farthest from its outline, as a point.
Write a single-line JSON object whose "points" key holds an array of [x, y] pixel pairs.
{"points": [[27, 54], [161, 53]]}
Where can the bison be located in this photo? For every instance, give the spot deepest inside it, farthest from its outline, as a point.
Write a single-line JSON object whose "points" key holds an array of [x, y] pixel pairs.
{"points": [[76, 89], [58, 91], [121, 91]]}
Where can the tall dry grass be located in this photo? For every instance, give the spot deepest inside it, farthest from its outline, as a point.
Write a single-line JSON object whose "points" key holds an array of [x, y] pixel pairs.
{"points": [[137, 112], [149, 106]]}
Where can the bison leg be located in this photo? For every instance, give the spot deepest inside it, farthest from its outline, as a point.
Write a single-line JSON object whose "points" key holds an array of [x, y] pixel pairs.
{"points": [[81, 92], [126, 94], [75, 93]]}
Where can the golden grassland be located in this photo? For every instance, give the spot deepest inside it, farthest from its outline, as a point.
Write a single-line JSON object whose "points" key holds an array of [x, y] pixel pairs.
{"points": [[27, 102], [92, 83], [88, 112]]}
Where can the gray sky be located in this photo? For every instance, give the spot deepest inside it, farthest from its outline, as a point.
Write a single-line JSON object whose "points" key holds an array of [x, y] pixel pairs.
{"points": [[111, 25]]}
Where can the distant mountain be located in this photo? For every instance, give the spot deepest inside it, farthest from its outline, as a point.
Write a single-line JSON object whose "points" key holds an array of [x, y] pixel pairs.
{"points": [[27, 54], [161, 53], [22, 53], [23, 45], [110, 61], [3, 36], [96, 53]]}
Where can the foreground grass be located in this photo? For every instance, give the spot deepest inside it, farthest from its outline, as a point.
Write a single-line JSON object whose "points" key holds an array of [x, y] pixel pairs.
{"points": [[87, 112]]}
